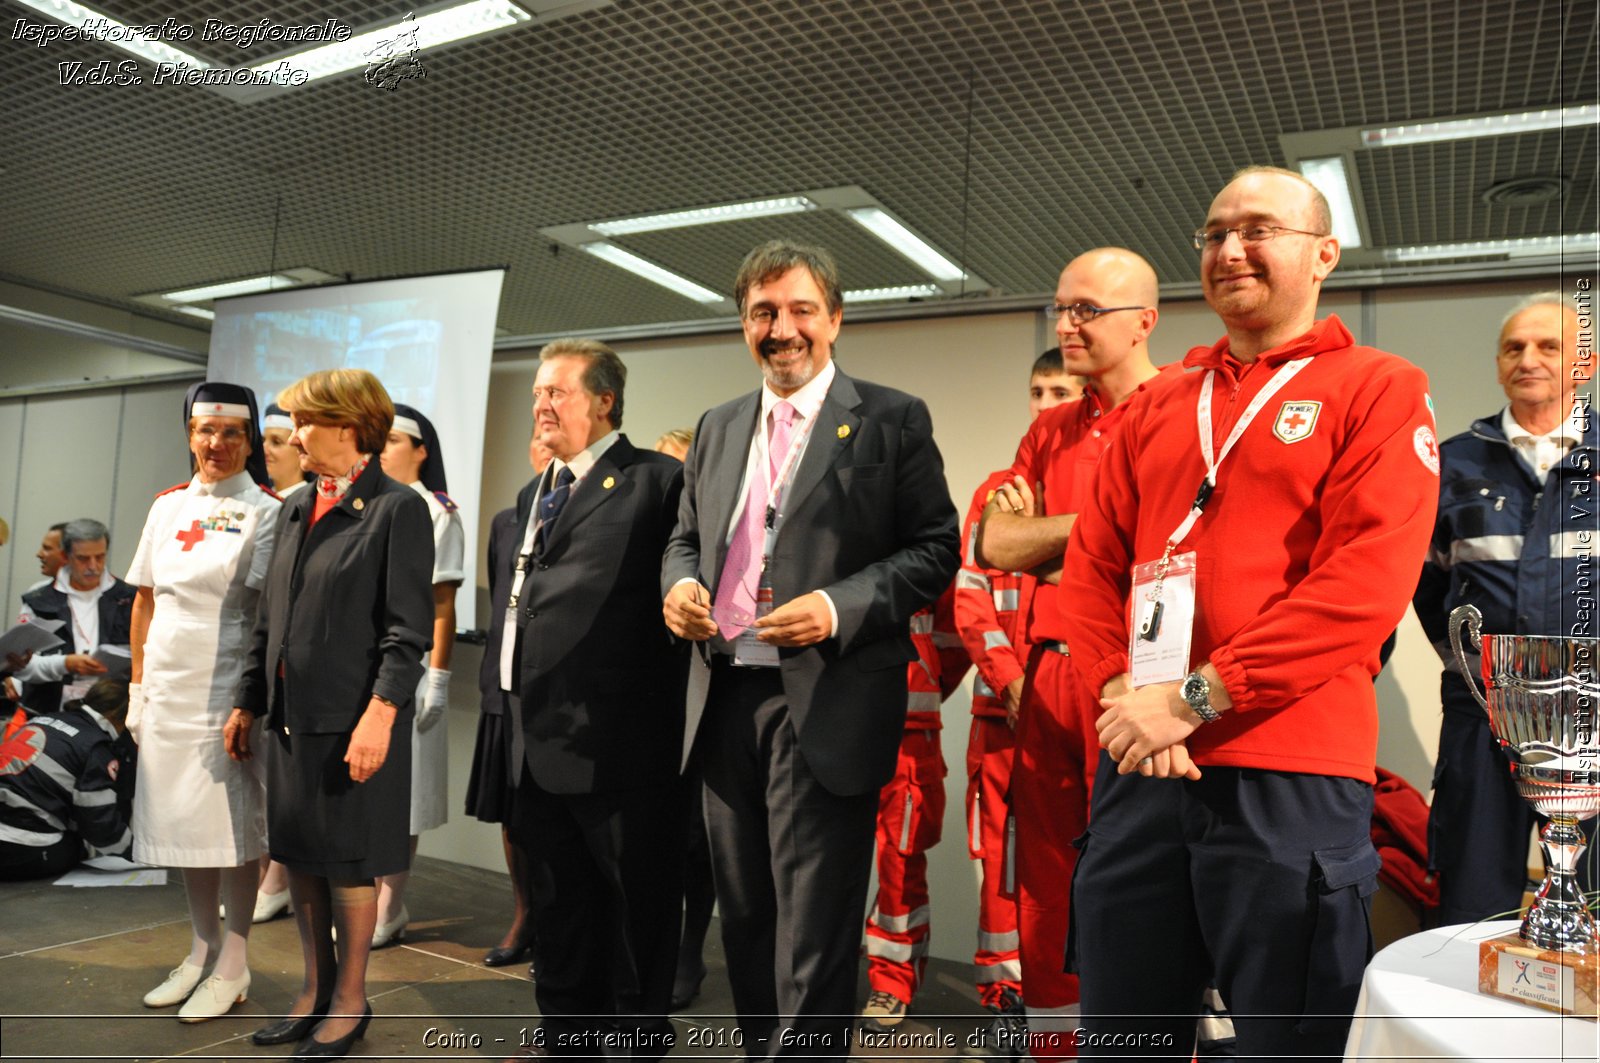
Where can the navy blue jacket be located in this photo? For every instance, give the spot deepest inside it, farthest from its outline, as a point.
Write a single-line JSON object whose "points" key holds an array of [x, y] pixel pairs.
{"points": [[1522, 551]]}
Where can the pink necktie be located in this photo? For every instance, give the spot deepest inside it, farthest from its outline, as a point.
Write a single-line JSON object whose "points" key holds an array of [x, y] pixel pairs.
{"points": [[735, 607]]}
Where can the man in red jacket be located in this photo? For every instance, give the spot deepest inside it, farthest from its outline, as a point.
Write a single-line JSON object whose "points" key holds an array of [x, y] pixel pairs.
{"points": [[1105, 309], [1253, 536], [991, 612]]}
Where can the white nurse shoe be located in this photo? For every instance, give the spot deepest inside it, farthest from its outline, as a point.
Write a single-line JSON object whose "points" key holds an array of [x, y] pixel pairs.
{"points": [[180, 982]]}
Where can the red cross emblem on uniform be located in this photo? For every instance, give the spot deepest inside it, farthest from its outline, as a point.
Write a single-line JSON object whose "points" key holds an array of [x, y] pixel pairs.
{"points": [[1427, 448], [193, 535], [1296, 421], [22, 750]]}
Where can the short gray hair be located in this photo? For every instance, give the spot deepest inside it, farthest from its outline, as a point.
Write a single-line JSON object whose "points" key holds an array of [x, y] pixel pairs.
{"points": [[83, 530], [1528, 302], [604, 370]]}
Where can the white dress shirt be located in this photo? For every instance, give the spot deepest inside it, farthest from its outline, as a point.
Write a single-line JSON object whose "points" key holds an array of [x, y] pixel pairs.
{"points": [[1541, 453]]}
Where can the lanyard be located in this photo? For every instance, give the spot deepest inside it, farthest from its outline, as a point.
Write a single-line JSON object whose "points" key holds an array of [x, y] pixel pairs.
{"points": [[779, 485], [1214, 461]]}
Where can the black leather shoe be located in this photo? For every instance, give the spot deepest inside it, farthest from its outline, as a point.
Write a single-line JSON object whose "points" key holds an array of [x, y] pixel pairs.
{"points": [[504, 957], [311, 1048], [290, 1029], [686, 987]]}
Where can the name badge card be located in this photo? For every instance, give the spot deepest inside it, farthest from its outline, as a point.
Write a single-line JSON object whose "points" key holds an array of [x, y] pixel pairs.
{"points": [[1163, 620], [749, 650]]}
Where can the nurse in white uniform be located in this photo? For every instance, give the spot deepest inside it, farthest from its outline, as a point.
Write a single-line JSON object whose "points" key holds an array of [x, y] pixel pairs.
{"points": [[201, 560], [413, 457], [287, 477]]}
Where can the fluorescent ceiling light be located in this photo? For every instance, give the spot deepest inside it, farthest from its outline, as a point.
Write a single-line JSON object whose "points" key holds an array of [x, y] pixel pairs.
{"points": [[1496, 125], [902, 291], [108, 30], [755, 208], [631, 262], [431, 30], [195, 311], [1329, 175], [882, 225], [243, 286], [1527, 247]]}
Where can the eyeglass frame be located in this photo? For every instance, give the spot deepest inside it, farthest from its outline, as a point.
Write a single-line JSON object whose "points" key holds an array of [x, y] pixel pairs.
{"points": [[229, 436], [1204, 238], [1075, 312]]}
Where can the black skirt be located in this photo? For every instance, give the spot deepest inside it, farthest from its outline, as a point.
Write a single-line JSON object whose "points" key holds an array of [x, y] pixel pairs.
{"points": [[320, 822], [494, 769]]}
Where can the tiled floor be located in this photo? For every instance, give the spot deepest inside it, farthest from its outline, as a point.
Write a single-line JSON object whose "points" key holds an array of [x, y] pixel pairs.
{"points": [[74, 964]]}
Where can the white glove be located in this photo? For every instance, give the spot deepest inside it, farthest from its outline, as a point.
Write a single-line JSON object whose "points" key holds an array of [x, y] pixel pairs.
{"points": [[135, 717], [435, 698]]}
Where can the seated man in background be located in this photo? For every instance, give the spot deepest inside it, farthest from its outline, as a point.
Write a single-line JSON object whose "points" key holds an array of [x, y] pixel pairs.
{"points": [[58, 786], [95, 609]]}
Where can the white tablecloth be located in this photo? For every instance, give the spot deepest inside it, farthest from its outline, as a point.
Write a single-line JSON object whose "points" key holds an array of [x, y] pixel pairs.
{"points": [[1420, 1000]]}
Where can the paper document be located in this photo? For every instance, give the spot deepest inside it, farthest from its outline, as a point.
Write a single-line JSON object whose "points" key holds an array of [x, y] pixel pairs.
{"points": [[117, 659], [142, 876], [32, 637]]}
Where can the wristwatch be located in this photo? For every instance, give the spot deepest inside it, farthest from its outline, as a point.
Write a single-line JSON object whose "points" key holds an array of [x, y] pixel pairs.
{"points": [[1197, 692]]}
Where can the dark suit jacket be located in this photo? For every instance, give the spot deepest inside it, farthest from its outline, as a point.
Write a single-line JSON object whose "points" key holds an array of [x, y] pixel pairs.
{"points": [[871, 523], [347, 608], [505, 540], [602, 678]]}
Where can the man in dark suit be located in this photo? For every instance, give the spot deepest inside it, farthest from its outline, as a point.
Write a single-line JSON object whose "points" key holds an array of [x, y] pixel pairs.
{"points": [[801, 551], [600, 807]]}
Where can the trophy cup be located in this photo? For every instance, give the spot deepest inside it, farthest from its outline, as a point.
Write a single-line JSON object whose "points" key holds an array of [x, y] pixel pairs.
{"points": [[1543, 699]]}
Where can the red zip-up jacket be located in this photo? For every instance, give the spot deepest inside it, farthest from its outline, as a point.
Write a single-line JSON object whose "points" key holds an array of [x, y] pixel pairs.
{"points": [[991, 610], [1308, 549]]}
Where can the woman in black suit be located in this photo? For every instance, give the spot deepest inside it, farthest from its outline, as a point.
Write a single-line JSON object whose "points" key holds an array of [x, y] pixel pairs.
{"points": [[334, 663]]}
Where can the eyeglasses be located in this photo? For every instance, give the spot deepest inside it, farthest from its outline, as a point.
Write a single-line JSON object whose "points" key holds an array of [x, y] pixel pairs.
{"points": [[1248, 234], [1082, 313], [231, 437]]}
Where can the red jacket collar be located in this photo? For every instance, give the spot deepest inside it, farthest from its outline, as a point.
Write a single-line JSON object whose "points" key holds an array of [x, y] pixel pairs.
{"points": [[1329, 334]]}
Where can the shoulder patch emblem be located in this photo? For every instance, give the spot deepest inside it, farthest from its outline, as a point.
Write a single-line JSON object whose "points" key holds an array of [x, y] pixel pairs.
{"points": [[1427, 448], [1296, 421], [446, 501], [22, 750]]}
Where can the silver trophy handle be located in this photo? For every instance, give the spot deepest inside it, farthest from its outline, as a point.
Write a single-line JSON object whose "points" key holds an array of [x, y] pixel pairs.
{"points": [[1468, 615]]}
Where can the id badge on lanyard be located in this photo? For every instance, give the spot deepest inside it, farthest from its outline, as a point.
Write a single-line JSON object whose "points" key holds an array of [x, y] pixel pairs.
{"points": [[1163, 619], [747, 649], [1163, 600]]}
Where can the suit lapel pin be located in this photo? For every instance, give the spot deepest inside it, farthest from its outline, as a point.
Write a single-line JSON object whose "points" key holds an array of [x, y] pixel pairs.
{"points": [[844, 431], [359, 504], [609, 482]]}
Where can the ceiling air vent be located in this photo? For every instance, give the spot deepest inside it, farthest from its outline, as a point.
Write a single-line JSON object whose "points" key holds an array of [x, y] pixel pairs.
{"points": [[1525, 191]]}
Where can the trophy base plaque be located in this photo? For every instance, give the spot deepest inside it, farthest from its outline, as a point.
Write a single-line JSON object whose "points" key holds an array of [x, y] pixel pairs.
{"points": [[1565, 982]]}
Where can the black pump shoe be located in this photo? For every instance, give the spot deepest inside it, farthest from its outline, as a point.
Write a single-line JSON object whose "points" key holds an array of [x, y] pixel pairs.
{"points": [[289, 1029], [311, 1048]]}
